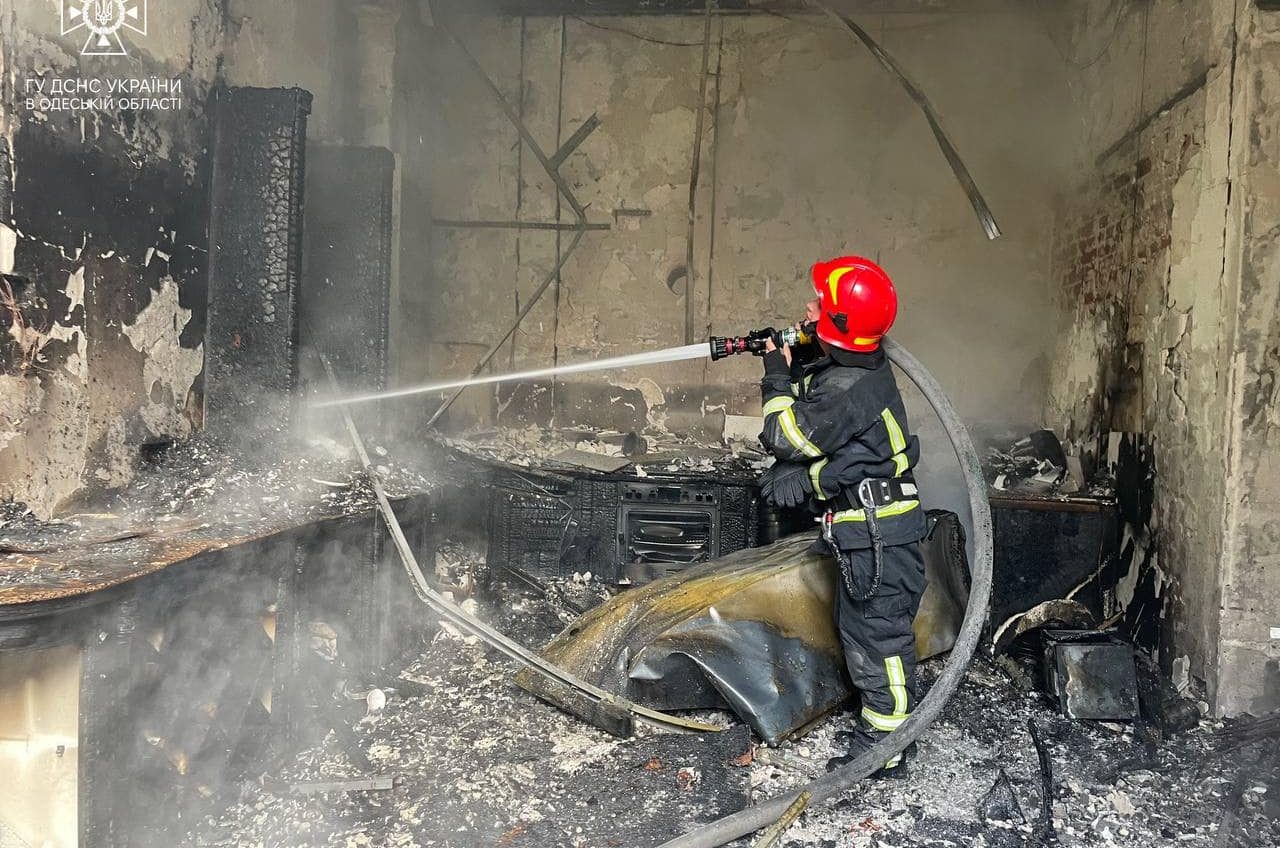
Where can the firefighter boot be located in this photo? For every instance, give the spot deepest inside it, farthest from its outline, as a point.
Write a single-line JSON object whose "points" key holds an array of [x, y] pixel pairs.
{"points": [[859, 742]]}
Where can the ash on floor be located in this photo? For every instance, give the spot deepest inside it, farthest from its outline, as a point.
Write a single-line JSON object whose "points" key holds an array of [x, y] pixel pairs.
{"points": [[477, 762], [1113, 784]]}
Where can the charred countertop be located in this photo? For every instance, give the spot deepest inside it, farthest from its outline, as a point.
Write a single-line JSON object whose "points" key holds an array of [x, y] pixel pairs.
{"points": [[1092, 501], [190, 499], [198, 496], [585, 452]]}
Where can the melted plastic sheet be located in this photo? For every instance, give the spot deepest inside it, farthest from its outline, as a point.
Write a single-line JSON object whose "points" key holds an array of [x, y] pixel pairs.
{"points": [[751, 632]]}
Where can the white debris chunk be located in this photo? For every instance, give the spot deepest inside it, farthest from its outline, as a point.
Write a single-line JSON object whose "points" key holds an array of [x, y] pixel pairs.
{"points": [[1121, 804]]}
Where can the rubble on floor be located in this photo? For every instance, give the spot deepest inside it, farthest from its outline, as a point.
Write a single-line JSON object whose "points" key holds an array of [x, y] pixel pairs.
{"points": [[196, 496], [1114, 784], [475, 761]]}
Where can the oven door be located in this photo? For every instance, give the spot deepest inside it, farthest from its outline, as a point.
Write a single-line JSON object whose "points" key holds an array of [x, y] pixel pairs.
{"points": [[654, 541]]}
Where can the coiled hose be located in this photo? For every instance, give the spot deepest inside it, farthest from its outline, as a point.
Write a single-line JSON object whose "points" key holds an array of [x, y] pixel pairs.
{"points": [[747, 821]]}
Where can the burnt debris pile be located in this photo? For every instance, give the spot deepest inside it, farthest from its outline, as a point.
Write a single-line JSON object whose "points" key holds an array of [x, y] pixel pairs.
{"points": [[459, 756]]}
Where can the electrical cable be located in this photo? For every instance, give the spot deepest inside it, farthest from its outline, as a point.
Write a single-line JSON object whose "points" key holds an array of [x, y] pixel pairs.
{"points": [[742, 39], [637, 35]]}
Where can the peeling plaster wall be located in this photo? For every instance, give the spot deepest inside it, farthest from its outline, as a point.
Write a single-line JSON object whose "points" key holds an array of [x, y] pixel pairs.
{"points": [[1138, 264], [1114, 225], [103, 213], [168, 367], [810, 150], [1247, 674], [1164, 331], [1142, 352]]}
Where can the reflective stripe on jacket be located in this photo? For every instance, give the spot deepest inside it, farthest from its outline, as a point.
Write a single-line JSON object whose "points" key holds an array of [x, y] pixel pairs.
{"points": [[846, 420]]}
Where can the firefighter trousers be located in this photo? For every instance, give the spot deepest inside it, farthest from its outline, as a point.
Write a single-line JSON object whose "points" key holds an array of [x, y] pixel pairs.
{"points": [[879, 644]]}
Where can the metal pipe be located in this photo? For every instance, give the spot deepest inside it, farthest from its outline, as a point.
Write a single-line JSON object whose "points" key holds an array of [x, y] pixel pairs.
{"points": [[514, 117], [514, 225], [979, 203], [571, 144], [752, 819], [561, 186], [524, 310]]}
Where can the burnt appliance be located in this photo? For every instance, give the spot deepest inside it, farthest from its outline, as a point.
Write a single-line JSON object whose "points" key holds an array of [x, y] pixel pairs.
{"points": [[664, 527], [623, 528], [1050, 547], [1091, 674]]}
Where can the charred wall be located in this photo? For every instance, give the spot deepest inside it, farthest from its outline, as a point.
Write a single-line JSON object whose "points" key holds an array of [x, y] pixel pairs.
{"points": [[104, 241], [104, 211], [809, 149], [1154, 307], [1147, 325]]}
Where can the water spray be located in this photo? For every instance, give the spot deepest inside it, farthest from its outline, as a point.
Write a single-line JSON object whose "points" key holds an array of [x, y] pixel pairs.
{"points": [[717, 347], [671, 354]]}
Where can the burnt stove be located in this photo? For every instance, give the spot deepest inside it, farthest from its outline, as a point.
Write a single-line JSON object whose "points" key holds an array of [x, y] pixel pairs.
{"points": [[663, 527], [626, 527]]}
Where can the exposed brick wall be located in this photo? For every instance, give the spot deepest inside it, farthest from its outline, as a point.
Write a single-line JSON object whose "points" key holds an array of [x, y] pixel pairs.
{"points": [[1173, 321], [1091, 274], [1091, 239], [1137, 261], [1111, 244]]}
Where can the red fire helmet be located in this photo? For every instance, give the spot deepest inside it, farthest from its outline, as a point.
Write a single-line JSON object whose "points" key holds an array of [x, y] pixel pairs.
{"points": [[858, 302]]}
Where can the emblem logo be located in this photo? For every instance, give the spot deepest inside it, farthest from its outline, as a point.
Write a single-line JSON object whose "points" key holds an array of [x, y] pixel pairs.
{"points": [[102, 21]]}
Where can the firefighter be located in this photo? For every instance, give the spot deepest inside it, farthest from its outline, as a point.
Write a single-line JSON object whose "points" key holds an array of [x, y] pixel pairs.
{"points": [[838, 429]]}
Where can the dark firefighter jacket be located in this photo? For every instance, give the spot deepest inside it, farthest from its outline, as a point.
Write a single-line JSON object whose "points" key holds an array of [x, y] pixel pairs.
{"points": [[846, 421]]}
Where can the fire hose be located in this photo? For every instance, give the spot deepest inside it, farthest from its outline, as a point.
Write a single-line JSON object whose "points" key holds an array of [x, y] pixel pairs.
{"points": [[754, 818], [464, 621], [731, 827]]}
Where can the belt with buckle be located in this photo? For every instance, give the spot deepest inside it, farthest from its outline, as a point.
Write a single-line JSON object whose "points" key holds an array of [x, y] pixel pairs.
{"points": [[877, 492]]}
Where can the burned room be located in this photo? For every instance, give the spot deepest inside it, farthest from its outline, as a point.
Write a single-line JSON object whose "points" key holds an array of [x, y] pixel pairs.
{"points": [[639, 423]]}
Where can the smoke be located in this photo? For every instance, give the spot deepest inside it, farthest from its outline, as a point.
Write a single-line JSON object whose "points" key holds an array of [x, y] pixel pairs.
{"points": [[784, 183], [810, 151], [938, 474]]}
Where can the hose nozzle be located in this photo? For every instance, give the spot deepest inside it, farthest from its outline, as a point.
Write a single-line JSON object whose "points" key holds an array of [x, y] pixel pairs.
{"points": [[754, 341]]}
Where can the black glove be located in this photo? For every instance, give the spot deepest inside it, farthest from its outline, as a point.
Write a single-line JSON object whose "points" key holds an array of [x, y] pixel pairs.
{"points": [[757, 338], [775, 362], [786, 483]]}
